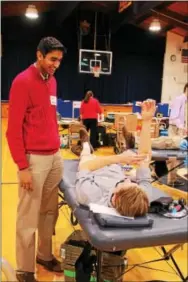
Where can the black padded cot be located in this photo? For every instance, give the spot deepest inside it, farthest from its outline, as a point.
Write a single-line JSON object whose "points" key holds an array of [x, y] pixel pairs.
{"points": [[164, 231]]}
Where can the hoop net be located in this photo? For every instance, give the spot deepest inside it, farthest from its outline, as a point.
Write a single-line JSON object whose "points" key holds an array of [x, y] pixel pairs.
{"points": [[96, 71]]}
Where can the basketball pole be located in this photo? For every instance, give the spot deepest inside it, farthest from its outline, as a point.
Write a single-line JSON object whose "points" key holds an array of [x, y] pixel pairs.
{"points": [[95, 33]]}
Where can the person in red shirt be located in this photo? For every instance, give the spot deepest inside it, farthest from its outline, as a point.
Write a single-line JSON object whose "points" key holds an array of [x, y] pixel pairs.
{"points": [[89, 110], [34, 144]]}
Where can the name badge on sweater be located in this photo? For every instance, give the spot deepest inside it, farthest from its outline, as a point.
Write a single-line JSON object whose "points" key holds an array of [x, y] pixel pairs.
{"points": [[53, 100]]}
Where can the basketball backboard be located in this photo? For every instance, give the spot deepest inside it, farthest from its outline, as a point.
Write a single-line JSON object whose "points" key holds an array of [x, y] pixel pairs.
{"points": [[95, 58]]}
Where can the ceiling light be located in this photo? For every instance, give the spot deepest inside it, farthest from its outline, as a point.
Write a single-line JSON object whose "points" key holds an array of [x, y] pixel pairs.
{"points": [[31, 12], [155, 25]]}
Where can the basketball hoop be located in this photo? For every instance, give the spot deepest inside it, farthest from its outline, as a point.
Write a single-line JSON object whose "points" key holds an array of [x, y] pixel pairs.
{"points": [[96, 71]]}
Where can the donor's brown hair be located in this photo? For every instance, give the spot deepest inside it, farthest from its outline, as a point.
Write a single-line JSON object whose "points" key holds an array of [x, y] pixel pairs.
{"points": [[132, 201], [88, 95]]}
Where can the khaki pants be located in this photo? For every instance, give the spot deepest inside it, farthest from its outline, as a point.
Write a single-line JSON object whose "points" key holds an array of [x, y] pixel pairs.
{"points": [[173, 130], [169, 142], [38, 209]]}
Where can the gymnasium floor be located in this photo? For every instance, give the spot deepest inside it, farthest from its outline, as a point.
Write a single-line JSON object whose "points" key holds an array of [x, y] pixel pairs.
{"points": [[64, 229]]}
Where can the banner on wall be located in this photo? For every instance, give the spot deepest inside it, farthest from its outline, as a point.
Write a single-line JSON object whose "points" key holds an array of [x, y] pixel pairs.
{"points": [[123, 5], [76, 109], [76, 104]]}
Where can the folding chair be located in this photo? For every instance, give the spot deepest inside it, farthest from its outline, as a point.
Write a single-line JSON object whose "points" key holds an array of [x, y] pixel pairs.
{"points": [[130, 120], [73, 132]]}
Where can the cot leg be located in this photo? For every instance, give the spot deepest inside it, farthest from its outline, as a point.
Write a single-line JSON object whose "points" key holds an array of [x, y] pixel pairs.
{"points": [[63, 202], [169, 254], [178, 269], [99, 265], [168, 172]]}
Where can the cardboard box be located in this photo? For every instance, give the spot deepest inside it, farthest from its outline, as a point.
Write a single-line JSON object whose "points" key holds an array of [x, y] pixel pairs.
{"points": [[113, 264], [130, 120]]}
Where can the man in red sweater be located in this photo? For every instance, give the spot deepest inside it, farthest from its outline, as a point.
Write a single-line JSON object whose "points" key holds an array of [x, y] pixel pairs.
{"points": [[34, 143]]}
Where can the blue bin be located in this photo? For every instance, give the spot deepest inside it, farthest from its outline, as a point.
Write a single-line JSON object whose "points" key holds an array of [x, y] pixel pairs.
{"points": [[162, 110], [64, 108], [136, 109]]}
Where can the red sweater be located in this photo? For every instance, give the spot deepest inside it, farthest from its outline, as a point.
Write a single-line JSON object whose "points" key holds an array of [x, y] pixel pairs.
{"points": [[91, 109], [32, 122]]}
